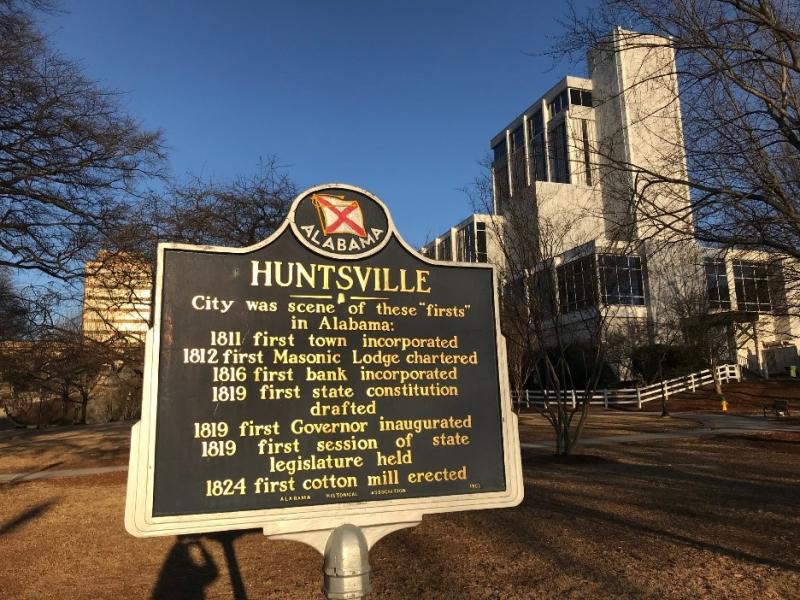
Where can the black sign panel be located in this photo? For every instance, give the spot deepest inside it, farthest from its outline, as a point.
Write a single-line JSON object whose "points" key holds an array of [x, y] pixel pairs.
{"points": [[330, 366]]}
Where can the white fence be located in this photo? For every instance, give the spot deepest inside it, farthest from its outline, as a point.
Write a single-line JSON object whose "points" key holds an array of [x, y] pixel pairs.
{"points": [[637, 396]]}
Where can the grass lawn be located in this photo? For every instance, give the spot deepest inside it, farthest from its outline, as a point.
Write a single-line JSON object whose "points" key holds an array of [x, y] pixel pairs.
{"points": [[603, 423], [23, 450], [708, 517]]}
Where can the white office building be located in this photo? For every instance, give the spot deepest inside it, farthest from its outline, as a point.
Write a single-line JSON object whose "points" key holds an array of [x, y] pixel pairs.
{"points": [[603, 252]]}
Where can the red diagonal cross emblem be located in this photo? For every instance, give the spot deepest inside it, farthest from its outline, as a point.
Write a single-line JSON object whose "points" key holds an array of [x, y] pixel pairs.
{"points": [[342, 217]]}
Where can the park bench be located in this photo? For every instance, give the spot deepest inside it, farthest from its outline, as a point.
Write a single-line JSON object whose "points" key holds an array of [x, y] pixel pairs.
{"points": [[779, 407]]}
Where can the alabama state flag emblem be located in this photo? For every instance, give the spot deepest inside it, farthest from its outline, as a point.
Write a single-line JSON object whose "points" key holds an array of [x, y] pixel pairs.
{"points": [[339, 216]]}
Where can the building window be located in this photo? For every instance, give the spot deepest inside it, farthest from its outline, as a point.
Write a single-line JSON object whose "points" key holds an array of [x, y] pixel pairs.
{"points": [[558, 104], [465, 244], [518, 175], [461, 244], [621, 280], [576, 284], [543, 293], [500, 152], [537, 123], [587, 162], [502, 190], [559, 154], [580, 97], [538, 156], [480, 243], [719, 295], [517, 139], [445, 249], [471, 243], [751, 281]]}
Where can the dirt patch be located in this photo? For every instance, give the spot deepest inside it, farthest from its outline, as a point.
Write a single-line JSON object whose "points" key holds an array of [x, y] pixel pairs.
{"points": [[743, 398], [711, 517]]}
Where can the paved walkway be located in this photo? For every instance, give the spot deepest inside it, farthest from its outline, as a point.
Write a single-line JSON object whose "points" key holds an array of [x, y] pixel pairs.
{"points": [[711, 425], [31, 475]]}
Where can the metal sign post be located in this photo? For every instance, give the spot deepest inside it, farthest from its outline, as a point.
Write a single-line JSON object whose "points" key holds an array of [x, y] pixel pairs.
{"points": [[346, 568]]}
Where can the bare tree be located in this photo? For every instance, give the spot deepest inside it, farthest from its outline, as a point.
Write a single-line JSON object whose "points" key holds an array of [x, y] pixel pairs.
{"points": [[240, 212], [73, 167], [547, 347], [75, 209], [15, 313], [738, 69], [70, 159]]}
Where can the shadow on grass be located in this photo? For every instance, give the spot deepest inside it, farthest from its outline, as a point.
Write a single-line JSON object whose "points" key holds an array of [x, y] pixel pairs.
{"points": [[226, 539], [79, 442], [24, 517], [700, 510], [190, 568]]}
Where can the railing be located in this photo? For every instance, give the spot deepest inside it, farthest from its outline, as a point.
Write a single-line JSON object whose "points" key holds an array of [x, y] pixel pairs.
{"points": [[637, 396]]}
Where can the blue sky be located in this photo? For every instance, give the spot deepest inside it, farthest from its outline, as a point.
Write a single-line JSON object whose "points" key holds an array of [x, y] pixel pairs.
{"points": [[400, 98]]}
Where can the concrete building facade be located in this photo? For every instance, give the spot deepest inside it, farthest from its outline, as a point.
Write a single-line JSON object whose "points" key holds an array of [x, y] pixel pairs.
{"points": [[558, 163], [473, 240]]}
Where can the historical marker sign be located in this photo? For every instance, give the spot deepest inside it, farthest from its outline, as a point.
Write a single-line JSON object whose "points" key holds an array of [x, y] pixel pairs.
{"points": [[327, 375]]}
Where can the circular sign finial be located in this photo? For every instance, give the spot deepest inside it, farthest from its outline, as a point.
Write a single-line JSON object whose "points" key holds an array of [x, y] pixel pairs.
{"points": [[340, 221]]}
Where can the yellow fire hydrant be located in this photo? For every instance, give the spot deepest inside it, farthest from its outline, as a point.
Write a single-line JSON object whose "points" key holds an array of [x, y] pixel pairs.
{"points": [[724, 404]]}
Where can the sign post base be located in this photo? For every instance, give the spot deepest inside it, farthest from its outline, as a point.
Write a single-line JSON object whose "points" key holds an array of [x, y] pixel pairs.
{"points": [[345, 552], [346, 564]]}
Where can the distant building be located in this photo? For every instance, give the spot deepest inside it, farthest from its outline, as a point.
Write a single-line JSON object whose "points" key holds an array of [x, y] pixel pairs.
{"points": [[473, 240], [555, 158], [116, 299]]}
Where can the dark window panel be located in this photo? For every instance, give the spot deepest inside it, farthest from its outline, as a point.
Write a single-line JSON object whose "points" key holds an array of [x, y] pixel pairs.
{"points": [[544, 293], [445, 251], [517, 139], [539, 158], [500, 152], [717, 284], [559, 103], [519, 176], [537, 123], [621, 279], [559, 155], [587, 163], [576, 284], [752, 286], [501, 187], [480, 242]]}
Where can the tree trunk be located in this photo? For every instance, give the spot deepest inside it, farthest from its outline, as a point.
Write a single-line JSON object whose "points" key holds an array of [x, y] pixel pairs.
{"points": [[64, 401], [664, 407], [559, 438], [84, 406]]}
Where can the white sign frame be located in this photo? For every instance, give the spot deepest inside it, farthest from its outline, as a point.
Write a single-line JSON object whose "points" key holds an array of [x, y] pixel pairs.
{"points": [[309, 524]]}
